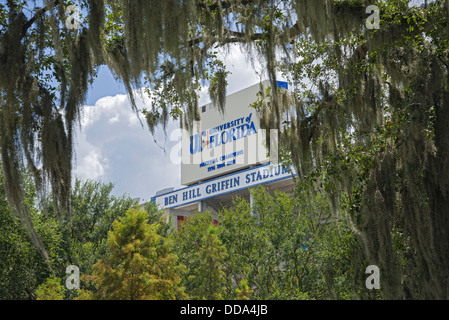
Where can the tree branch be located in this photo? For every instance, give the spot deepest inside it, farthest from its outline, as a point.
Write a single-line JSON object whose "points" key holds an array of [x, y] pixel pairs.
{"points": [[223, 5], [38, 13]]}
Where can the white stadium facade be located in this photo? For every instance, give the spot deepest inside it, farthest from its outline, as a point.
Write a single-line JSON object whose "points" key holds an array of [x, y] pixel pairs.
{"points": [[222, 158]]}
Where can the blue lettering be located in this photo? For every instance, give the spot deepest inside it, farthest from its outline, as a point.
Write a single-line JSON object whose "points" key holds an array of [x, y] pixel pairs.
{"points": [[171, 199], [251, 129], [223, 140], [194, 143], [277, 170], [285, 170], [211, 141], [265, 173], [243, 130], [231, 134]]}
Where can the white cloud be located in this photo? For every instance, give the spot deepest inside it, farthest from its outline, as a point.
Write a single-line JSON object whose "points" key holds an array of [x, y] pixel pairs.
{"points": [[91, 166], [116, 118], [243, 73], [114, 145]]}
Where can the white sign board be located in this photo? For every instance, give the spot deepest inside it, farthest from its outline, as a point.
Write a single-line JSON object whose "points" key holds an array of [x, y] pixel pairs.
{"points": [[229, 183], [224, 143]]}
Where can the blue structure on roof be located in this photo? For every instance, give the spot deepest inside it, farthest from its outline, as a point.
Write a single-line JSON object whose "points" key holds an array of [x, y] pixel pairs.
{"points": [[282, 85]]}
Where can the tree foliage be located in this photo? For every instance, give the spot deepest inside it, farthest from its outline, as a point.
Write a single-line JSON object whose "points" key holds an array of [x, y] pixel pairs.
{"points": [[282, 248], [139, 264], [201, 250], [367, 107], [51, 289], [369, 127], [22, 267], [94, 209], [209, 278], [287, 249]]}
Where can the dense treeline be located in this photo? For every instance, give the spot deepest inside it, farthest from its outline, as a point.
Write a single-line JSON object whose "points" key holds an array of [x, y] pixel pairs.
{"points": [[281, 248]]}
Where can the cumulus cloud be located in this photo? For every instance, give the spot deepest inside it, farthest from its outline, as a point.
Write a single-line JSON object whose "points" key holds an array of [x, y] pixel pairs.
{"points": [[91, 166], [115, 145]]}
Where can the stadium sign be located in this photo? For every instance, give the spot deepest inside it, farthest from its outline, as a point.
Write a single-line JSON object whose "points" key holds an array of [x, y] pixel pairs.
{"points": [[225, 184], [227, 142]]}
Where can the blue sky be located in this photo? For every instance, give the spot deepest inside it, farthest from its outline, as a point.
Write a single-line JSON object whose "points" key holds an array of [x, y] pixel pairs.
{"points": [[104, 85], [114, 146]]}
